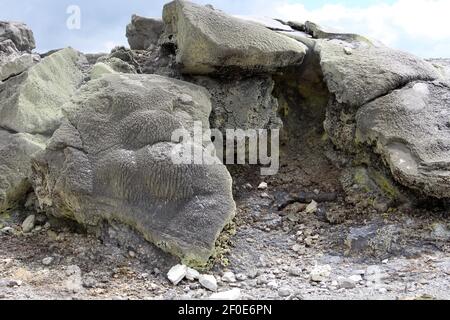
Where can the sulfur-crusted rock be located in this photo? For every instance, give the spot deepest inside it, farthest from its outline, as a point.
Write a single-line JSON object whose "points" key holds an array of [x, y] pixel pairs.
{"points": [[99, 69], [143, 32], [16, 151], [410, 128], [112, 160], [209, 41], [31, 102], [18, 33]]}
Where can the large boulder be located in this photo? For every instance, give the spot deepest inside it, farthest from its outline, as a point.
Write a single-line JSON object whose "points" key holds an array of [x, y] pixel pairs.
{"points": [[12, 61], [410, 128], [18, 33], [112, 160], [209, 41], [16, 151], [357, 72], [143, 32], [31, 102]]}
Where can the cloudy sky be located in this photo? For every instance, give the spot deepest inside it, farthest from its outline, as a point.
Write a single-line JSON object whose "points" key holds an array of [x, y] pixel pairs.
{"points": [[418, 26]]}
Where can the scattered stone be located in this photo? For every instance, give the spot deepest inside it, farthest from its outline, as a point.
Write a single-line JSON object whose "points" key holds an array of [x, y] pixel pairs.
{"points": [[263, 186], [209, 282], [192, 274], [320, 273], [374, 274], [346, 283], [253, 273], [284, 292], [265, 195], [356, 278], [229, 277], [10, 283], [382, 290], [312, 207], [348, 51], [440, 231], [74, 282], [8, 230], [132, 254], [241, 277], [309, 241], [177, 274], [295, 272], [234, 294], [47, 261], [28, 224], [89, 282]]}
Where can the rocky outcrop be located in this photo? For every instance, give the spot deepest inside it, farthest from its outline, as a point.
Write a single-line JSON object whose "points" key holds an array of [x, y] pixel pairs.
{"points": [[210, 41], [112, 160], [19, 34], [32, 101], [410, 128], [12, 61], [143, 32], [16, 151]]}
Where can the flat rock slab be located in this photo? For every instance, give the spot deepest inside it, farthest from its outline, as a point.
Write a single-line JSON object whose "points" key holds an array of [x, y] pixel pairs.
{"points": [[112, 160], [410, 128], [209, 41], [32, 101]]}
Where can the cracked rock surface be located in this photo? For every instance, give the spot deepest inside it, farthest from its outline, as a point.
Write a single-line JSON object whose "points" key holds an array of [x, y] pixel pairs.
{"points": [[112, 161]]}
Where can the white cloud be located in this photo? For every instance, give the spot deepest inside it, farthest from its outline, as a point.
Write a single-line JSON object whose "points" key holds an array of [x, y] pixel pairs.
{"points": [[419, 26]]}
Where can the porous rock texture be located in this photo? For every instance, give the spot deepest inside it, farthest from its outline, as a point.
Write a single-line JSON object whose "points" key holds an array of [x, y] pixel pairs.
{"points": [[19, 34], [410, 127], [111, 160], [32, 93], [31, 102], [242, 103], [209, 41], [16, 150], [12, 61]]}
